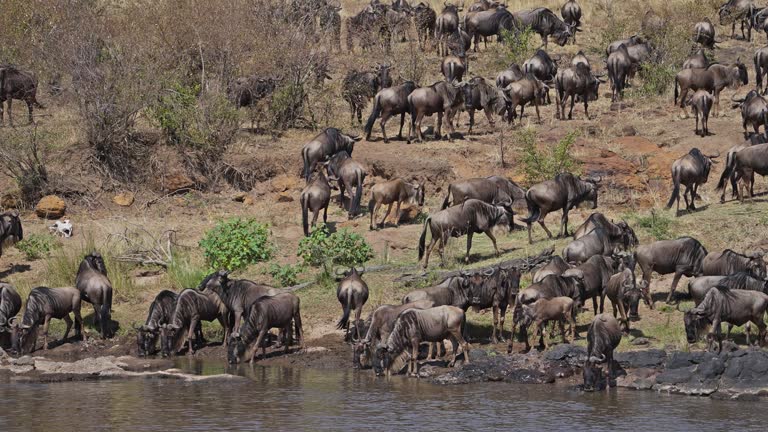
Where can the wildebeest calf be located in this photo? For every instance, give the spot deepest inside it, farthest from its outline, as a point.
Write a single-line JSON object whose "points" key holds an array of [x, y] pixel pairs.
{"points": [[270, 312], [391, 192], [558, 309]]}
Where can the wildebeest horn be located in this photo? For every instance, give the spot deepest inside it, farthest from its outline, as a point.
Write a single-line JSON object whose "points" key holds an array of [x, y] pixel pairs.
{"points": [[490, 271], [557, 58], [595, 359], [734, 99], [714, 156]]}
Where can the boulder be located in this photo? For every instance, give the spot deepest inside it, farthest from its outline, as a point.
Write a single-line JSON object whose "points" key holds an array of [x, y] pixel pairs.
{"points": [[10, 200], [51, 207], [641, 359], [125, 199], [285, 182], [176, 181], [284, 198]]}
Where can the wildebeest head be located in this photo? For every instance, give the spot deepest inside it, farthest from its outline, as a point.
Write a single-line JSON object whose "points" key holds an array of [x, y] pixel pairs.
{"points": [[593, 376], [168, 334], [217, 282], [561, 37], [333, 164], [236, 348], [633, 293], [363, 357], [382, 75], [740, 76], [24, 338], [95, 261], [385, 359], [695, 321], [757, 265], [146, 339], [577, 277], [629, 238], [10, 227], [592, 184]]}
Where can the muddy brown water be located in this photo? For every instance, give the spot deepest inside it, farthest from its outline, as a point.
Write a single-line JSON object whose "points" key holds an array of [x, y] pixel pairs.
{"points": [[293, 399]]}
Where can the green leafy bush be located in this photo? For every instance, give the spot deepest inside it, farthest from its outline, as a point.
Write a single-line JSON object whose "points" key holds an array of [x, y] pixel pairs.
{"points": [[287, 105], [657, 78], [519, 46], [236, 243], [286, 275], [343, 248], [657, 225], [545, 164], [37, 246]]}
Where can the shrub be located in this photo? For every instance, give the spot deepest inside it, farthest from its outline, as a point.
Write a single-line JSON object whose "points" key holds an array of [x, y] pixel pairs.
{"points": [[236, 243], [545, 164], [287, 105], [518, 47], [657, 225], [286, 275], [657, 78], [343, 248], [37, 246], [23, 157]]}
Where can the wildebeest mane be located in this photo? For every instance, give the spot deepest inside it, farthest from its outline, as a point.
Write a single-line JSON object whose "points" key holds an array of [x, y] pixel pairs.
{"points": [[34, 313], [503, 19], [695, 254], [717, 303], [158, 312]]}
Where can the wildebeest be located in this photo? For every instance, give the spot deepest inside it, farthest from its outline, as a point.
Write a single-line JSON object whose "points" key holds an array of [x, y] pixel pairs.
{"points": [[441, 98], [625, 294], [728, 262], [367, 25], [494, 190], [598, 220], [470, 217], [160, 313], [733, 11], [495, 288], [541, 65], [744, 165], [348, 175], [527, 90], [453, 67], [324, 145], [509, 75], [387, 103], [544, 22], [691, 170], [95, 288], [424, 18], [391, 192], [11, 230], [476, 7], [555, 266], [599, 242], [704, 33], [352, 293], [714, 79], [682, 256], [580, 58], [761, 68], [543, 310], [247, 91], [236, 295], [571, 13], [17, 84], [603, 336], [453, 291], [573, 82], [493, 22], [279, 312], [730, 173], [192, 307], [701, 105], [754, 111], [699, 287], [447, 23], [735, 307], [698, 60], [479, 95], [628, 42], [565, 192], [315, 196], [43, 304], [594, 273], [358, 87], [10, 305], [415, 326], [619, 66]]}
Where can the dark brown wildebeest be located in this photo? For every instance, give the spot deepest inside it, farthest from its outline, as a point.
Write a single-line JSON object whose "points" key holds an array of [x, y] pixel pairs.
{"points": [[453, 67], [43, 304], [441, 98], [20, 85], [508, 76], [391, 192], [480, 6], [494, 190], [424, 18], [682, 256], [594, 273], [619, 66], [580, 58], [470, 217], [761, 68], [479, 95], [733, 11], [352, 293], [415, 326], [279, 311], [745, 163], [453, 291], [571, 13], [625, 294], [492, 22], [698, 60], [495, 288], [692, 171], [387, 103], [446, 24], [735, 307], [368, 26], [603, 336], [359, 87], [573, 82], [565, 192], [160, 313], [556, 266], [348, 175], [714, 79], [11, 230], [247, 91], [10, 305], [96, 289], [192, 307], [542, 66], [315, 197], [599, 241], [527, 90], [728, 262], [326, 144], [730, 173], [754, 111], [544, 22], [701, 105], [628, 42], [236, 295], [638, 49], [699, 287], [543, 310], [598, 220], [704, 33], [380, 324]]}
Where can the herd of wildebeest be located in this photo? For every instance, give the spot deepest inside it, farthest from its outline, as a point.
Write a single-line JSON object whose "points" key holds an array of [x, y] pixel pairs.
{"points": [[599, 262]]}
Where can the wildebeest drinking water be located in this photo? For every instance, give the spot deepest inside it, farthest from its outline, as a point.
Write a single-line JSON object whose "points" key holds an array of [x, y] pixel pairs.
{"points": [[10, 305], [314, 197], [691, 170], [237, 295], [43, 304], [11, 230], [17, 84], [278, 311], [326, 144], [160, 313], [391, 192], [603, 336], [348, 175], [96, 289], [352, 293], [192, 307]]}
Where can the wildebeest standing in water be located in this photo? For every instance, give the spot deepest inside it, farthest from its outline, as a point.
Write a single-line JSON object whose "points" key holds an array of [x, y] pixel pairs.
{"points": [[326, 144], [571, 13], [728, 262], [387, 103], [735, 307], [358, 87], [236, 295], [192, 307], [160, 313], [470, 217], [603, 336], [10, 305], [682, 256], [704, 33], [314, 197], [565, 192], [691, 170], [348, 175], [17, 84], [11, 230], [441, 98], [744, 165], [43, 304], [352, 293], [714, 79], [391, 192], [544, 22], [95, 288], [279, 312], [415, 326]]}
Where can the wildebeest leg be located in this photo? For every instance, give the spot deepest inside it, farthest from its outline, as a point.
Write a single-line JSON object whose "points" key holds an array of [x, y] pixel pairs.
{"points": [[439, 131], [471, 120], [494, 339], [259, 341], [538, 114], [79, 327], [419, 135], [10, 117], [572, 325], [469, 246], [537, 329], [352, 110], [287, 337], [694, 194], [441, 248], [564, 224], [573, 102], [623, 312], [493, 240], [541, 222], [402, 122], [29, 109], [685, 197], [675, 280], [315, 214], [413, 365], [191, 334], [717, 103], [761, 330], [397, 213], [384, 117], [530, 239], [68, 321], [502, 313], [374, 211], [358, 312], [431, 246], [384, 219]]}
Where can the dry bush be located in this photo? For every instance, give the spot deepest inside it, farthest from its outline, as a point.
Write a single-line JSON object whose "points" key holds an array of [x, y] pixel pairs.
{"points": [[23, 157]]}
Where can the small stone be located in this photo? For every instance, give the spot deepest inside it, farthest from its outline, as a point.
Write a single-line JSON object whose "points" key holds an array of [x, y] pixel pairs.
{"points": [[23, 361], [284, 198], [177, 181], [640, 341], [125, 199], [51, 207], [628, 130]]}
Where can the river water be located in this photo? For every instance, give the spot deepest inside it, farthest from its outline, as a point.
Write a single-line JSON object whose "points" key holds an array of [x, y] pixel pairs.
{"points": [[290, 399]]}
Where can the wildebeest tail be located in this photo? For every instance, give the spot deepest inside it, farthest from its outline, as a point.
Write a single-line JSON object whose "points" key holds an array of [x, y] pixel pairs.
{"points": [[447, 200], [534, 211], [305, 156], [423, 238], [358, 193], [675, 187], [345, 317], [375, 113], [305, 213], [106, 315], [676, 91], [727, 170], [758, 71]]}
